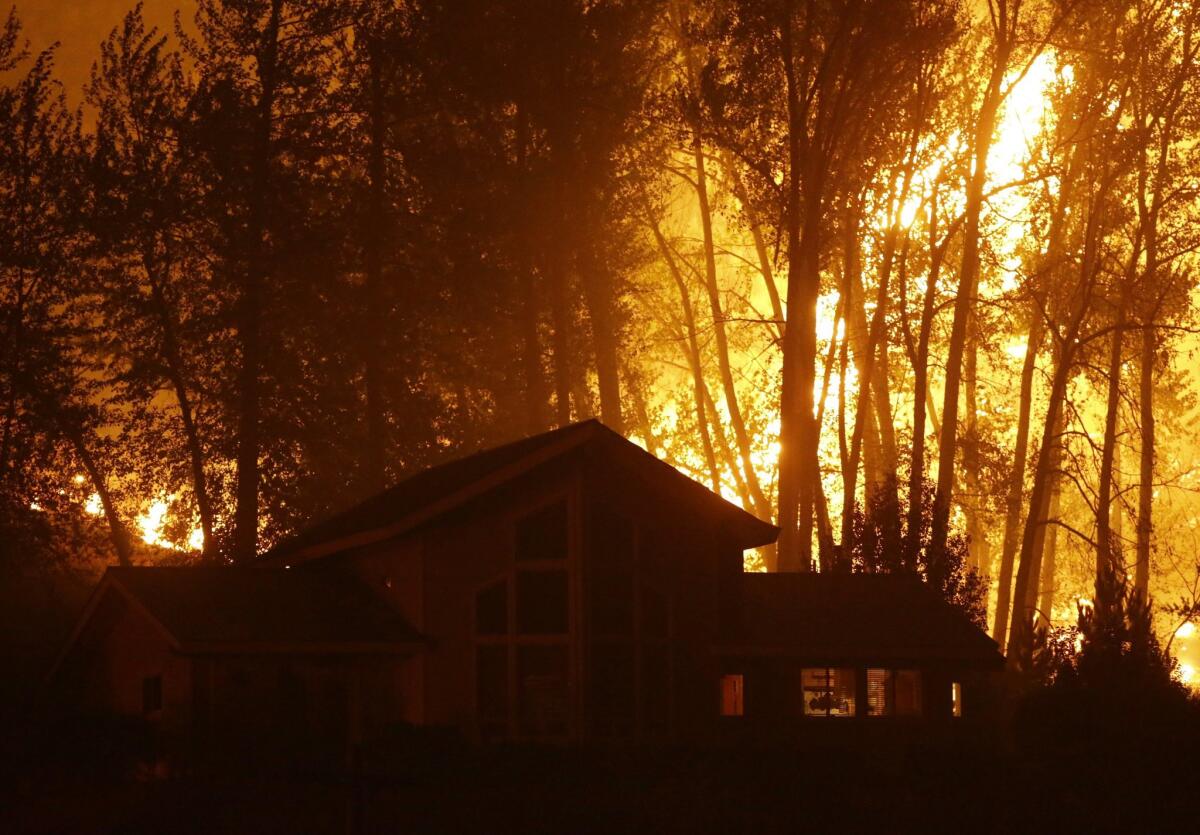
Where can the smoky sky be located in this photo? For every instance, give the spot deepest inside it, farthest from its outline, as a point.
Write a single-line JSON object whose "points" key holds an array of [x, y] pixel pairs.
{"points": [[80, 25]]}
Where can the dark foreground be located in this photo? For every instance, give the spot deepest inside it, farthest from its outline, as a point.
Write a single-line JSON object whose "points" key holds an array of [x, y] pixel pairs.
{"points": [[1051, 774]]}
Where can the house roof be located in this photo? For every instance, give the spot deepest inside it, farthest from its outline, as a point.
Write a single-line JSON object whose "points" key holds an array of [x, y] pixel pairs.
{"points": [[210, 609], [855, 617], [440, 489]]}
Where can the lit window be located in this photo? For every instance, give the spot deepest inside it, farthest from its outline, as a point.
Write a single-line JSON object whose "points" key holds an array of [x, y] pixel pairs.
{"points": [[893, 693], [151, 694], [956, 698], [732, 695], [828, 691]]}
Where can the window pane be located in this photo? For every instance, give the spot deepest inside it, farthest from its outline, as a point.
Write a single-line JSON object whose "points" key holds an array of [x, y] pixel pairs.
{"points": [[815, 684], [908, 693], [151, 694], [491, 683], [956, 699], [543, 690], [879, 693], [828, 691], [842, 689], [732, 703], [491, 609], [541, 602], [542, 535]]}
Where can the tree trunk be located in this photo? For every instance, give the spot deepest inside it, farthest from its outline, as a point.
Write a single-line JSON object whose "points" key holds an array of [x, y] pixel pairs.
{"points": [[1047, 586], [964, 303], [249, 323], [600, 296], [741, 436], [921, 396], [760, 245], [1107, 568], [1016, 478], [117, 532], [1020, 654], [699, 389], [1145, 526], [375, 460], [174, 365]]}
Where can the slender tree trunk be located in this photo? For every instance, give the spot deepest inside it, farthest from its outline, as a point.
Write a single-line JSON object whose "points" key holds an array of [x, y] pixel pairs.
{"points": [[1145, 526], [760, 245], [599, 294], [641, 414], [741, 436], [556, 275], [699, 389], [964, 303], [1033, 538], [1016, 479], [174, 365], [865, 382], [1107, 568], [977, 542], [1048, 585], [922, 396], [375, 460], [250, 313], [117, 532], [536, 393]]}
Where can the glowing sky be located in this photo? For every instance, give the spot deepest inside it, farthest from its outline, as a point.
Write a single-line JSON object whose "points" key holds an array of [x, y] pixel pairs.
{"points": [[80, 25]]}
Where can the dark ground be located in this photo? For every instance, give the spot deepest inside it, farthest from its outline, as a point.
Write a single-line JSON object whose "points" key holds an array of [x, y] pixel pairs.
{"points": [[435, 784]]}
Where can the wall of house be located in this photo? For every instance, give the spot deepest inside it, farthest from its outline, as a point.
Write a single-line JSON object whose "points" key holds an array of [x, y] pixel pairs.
{"points": [[305, 709], [124, 648], [645, 562], [433, 576]]}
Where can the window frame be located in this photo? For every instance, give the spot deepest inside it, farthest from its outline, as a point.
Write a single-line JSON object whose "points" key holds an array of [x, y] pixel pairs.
{"points": [[511, 639], [152, 694]]}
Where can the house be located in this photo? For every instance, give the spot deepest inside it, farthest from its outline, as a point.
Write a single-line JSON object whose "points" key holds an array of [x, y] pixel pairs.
{"points": [[567, 587]]}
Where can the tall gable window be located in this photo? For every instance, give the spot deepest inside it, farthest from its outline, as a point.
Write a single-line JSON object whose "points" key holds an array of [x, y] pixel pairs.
{"points": [[541, 602], [828, 691], [522, 633]]}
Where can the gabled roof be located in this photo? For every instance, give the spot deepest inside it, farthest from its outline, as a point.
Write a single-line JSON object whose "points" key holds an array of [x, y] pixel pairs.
{"points": [[441, 489], [855, 617], [210, 609]]}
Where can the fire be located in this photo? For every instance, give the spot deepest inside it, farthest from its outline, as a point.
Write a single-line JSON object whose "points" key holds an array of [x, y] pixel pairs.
{"points": [[152, 522]]}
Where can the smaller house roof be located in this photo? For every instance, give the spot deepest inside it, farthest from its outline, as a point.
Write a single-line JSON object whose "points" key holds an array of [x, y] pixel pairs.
{"points": [[440, 489], [211, 609], [856, 617]]}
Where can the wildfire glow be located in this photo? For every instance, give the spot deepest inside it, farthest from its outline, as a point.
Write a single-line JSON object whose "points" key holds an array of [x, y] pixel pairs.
{"points": [[152, 523]]}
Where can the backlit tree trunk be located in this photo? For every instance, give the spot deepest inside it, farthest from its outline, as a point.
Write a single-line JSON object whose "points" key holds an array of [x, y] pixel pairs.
{"points": [[249, 325], [1016, 479]]}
